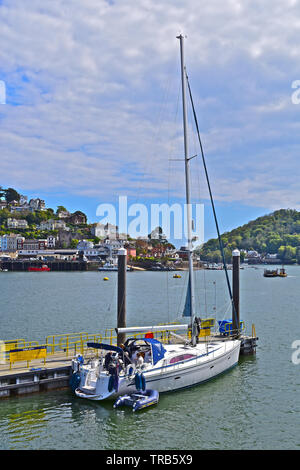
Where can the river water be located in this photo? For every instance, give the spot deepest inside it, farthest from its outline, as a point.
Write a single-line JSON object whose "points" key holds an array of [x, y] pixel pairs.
{"points": [[255, 405]]}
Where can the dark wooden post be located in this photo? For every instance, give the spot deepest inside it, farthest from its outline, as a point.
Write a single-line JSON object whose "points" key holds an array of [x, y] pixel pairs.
{"points": [[236, 292], [122, 266]]}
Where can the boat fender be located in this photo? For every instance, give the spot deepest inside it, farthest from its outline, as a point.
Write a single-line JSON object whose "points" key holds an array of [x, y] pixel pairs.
{"points": [[116, 382], [80, 359], [130, 370], [74, 381], [143, 382], [138, 381]]}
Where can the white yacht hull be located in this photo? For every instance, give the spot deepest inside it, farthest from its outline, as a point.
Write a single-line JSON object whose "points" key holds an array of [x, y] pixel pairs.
{"points": [[166, 377]]}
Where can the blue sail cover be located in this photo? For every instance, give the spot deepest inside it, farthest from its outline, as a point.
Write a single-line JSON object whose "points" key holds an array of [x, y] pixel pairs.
{"points": [[108, 347], [187, 306], [158, 351]]}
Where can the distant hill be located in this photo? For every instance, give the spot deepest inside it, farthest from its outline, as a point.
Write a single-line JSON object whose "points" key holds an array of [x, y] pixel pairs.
{"points": [[275, 233]]}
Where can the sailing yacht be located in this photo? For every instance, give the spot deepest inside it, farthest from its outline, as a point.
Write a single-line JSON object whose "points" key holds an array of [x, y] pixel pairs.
{"points": [[147, 362]]}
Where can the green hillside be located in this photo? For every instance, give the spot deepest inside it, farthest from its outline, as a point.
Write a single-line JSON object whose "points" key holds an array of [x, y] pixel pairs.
{"points": [[278, 232]]}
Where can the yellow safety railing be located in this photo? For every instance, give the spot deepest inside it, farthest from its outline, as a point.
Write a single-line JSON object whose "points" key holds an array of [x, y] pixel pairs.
{"points": [[14, 344], [228, 327], [19, 350], [62, 341], [27, 354]]}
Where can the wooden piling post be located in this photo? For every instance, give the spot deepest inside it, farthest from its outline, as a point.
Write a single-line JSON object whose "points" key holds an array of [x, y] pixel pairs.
{"points": [[122, 266], [236, 292]]}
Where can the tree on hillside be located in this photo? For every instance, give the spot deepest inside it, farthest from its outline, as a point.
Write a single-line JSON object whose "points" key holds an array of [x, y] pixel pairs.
{"points": [[74, 243], [278, 232], [2, 192], [61, 209]]}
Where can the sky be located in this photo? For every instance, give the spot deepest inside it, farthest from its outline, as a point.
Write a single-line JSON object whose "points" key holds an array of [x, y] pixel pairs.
{"points": [[93, 107]]}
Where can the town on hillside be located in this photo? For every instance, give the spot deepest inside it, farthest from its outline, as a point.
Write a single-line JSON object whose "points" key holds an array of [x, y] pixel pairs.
{"points": [[31, 231]]}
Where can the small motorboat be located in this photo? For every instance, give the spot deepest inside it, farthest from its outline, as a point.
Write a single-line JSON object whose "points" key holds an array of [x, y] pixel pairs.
{"points": [[177, 276], [270, 273], [139, 400], [282, 273]]}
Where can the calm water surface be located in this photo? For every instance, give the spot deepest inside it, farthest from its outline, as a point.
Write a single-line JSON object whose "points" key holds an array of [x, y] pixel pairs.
{"points": [[254, 406]]}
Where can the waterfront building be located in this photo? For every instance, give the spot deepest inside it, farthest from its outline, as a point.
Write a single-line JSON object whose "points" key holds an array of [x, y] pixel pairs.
{"points": [[32, 244], [68, 255], [131, 251], [272, 259], [11, 242], [51, 241], [85, 245], [253, 257], [183, 253], [107, 250]]}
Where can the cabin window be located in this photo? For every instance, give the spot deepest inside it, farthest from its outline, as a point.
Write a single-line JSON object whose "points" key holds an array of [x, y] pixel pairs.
{"points": [[182, 357]]}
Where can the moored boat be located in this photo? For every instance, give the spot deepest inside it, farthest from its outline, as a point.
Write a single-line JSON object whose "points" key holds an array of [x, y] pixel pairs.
{"points": [[184, 362], [275, 273], [270, 273], [282, 273], [166, 367], [111, 267]]}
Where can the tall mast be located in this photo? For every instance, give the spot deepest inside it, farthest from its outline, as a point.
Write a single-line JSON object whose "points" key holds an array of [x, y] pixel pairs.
{"points": [[188, 192]]}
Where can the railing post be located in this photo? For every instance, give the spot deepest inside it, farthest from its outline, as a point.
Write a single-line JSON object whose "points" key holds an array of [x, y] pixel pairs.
{"points": [[236, 292], [122, 266]]}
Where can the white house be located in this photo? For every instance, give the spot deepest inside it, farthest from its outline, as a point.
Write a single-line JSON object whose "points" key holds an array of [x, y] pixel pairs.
{"points": [[64, 214], [104, 231], [51, 241], [52, 224], [85, 245], [37, 204], [17, 223]]}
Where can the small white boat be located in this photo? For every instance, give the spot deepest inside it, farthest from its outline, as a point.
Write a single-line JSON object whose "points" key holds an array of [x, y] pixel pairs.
{"points": [[138, 400], [110, 267], [167, 367]]}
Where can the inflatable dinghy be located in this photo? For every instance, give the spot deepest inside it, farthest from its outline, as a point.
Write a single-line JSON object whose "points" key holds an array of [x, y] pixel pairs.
{"points": [[138, 400]]}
